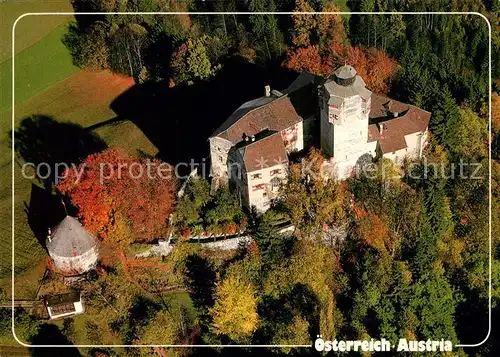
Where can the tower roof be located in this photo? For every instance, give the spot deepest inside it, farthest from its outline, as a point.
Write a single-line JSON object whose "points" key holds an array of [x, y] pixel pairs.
{"points": [[345, 72], [345, 83], [68, 238]]}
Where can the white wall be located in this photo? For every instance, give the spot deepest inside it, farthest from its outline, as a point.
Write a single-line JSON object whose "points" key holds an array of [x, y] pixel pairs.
{"points": [[79, 309], [261, 198], [344, 131], [76, 265], [219, 149], [293, 137]]}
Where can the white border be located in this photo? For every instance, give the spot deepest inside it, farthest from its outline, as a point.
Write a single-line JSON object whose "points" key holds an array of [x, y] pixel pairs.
{"points": [[244, 13]]}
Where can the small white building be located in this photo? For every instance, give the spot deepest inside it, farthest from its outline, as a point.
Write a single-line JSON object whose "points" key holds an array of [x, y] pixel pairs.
{"points": [[72, 249], [64, 305]]}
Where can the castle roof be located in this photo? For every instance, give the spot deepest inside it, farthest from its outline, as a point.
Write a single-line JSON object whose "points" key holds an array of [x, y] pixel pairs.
{"points": [[347, 87], [263, 153], [68, 239], [398, 120], [271, 113]]}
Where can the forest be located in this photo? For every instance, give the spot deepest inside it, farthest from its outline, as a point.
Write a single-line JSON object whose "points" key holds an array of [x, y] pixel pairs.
{"points": [[415, 260]]}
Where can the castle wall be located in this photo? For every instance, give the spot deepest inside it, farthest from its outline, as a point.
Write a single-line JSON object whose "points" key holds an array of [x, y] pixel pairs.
{"points": [[293, 138], [219, 150], [263, 185], [78, 264]]}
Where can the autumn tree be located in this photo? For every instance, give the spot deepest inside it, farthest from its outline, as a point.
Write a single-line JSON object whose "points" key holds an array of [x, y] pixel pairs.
{"points": [[303, 24], [306, 59], [495, 112], [191, 62], [374, 66], [234, 313], [330, 27], [117, 192], [467, 135], [310, 196]]}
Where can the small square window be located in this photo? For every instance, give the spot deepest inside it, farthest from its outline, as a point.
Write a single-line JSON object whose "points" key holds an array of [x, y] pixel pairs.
{"points": [[256, 176]]}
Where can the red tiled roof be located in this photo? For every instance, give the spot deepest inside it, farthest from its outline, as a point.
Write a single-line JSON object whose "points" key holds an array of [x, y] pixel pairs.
{"points": [[278, 114], [264, 153], [410, 120]]}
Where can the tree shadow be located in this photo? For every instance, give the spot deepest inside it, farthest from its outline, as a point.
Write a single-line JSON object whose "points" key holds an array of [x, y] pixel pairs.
{"points": [[51, 335], [44, 142], [179, 120], [44, 211], [200, 278]]}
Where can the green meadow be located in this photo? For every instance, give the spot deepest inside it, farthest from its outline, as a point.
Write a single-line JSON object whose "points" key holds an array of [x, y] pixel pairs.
{"points": [[47, 83]]}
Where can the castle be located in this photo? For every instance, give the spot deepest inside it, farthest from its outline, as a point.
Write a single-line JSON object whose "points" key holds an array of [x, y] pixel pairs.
{"points": [[251, 149]]}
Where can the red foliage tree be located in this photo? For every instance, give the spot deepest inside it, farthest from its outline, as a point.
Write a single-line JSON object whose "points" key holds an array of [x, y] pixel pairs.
{"points": [[307, 59], [111, 186], [373, 65]]}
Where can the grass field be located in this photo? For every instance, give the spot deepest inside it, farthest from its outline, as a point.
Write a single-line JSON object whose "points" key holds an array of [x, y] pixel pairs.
{"points": [[82, 98], [37, 67], [30, 29], [47, 83]]}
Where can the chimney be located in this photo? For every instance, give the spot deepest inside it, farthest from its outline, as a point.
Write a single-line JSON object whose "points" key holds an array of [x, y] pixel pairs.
{"points": [[253, 138], [395, 114], [49, 235], [267, 91], [247, 138], [381, 128]]}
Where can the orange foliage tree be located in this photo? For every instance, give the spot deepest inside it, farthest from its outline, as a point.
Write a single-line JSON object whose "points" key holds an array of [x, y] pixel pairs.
{"points": [[373, 65], [373, 232], [113, 188], [331, 27], [303, 25], [495, 111]]}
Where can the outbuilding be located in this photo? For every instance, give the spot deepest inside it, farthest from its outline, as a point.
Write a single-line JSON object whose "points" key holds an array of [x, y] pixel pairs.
{"points": [[73, 250], [64, 305]]}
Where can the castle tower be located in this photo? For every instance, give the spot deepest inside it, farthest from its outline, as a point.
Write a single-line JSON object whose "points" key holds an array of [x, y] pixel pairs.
{"points": [[345, 106]]}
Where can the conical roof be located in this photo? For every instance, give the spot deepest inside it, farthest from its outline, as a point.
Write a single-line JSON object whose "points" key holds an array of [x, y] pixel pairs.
{"points": [[69, 238], [345, 72]]}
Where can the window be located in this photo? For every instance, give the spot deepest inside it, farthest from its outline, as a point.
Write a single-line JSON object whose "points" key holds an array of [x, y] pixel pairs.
{"points": [[220, 158], [275, 172], [256, 176], [258, 187], [275, 184], [393, 152]]}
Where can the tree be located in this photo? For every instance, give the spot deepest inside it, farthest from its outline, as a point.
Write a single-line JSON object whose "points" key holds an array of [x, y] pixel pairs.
{"points": [[495, 112], [265, 28], [467, 135], [115, 189], [306, 59], [331, 27], [88, 47], [235, 311], [374, 66], [310, 197], [303, 25], [191, 62], [162, 329]]}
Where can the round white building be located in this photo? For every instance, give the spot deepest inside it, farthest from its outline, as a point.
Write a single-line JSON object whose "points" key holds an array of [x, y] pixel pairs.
{"points": [[73, 249]]}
